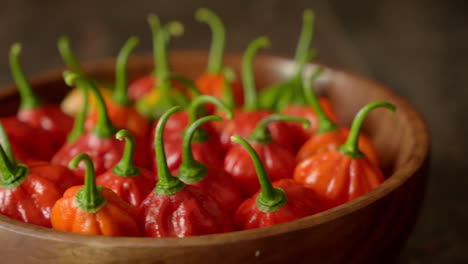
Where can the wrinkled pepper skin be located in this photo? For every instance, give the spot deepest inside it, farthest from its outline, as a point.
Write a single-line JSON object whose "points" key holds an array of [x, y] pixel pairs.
{"points": [[301, 202], [115, 218]]}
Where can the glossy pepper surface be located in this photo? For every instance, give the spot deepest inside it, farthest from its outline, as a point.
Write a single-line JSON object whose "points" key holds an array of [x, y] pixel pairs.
{"points": [[212, 81], [99, 143], [327, 135], [279, 162], [341, 175], [129, 182], [29, 191], [92, 209], [281, 202], [212, 180], [174, 209], [47, 117]]}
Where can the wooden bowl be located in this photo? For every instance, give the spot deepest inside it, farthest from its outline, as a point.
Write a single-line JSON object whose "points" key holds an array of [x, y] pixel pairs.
{"points": [[370, 229]]}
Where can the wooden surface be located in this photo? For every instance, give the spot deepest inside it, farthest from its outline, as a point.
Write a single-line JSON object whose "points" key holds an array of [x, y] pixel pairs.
{"points": [[418, 48], [378, 223]]}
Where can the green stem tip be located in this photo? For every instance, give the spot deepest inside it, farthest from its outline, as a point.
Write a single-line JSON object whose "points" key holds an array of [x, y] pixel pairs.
{"points": [[261, 134], [120, 95], [215, 60], [350, 147], [66, 52], [89, 198], [167, 184], [270, 198], [305, 38], [126, 167], [11, 173]]}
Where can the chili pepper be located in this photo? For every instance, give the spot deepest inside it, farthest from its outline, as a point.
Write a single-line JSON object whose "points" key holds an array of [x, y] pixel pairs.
{"points": [[93, 210], [129, 182], [174, 209], [326, 134], [341, 175], [212, 81], [34, 112], [213, 181], [279, 161], [28, 192], [280, 202], [121, 112], [161, 95], [99, 143], [278, 96], [73, 101], [205, 146]]}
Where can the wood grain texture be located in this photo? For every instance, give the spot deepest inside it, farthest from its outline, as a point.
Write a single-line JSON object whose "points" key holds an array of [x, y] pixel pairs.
{"points": [[370, 229]]}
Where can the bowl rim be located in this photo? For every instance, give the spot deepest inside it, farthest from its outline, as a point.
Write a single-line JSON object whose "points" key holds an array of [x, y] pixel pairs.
{"points": [[415, 161]]}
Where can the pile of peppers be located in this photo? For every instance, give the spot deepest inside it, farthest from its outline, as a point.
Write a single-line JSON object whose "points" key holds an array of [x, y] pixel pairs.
{"points": [[167, 156]]}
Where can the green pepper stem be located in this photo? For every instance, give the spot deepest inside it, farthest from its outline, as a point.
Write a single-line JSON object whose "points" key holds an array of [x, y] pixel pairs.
{"points": [[126, 167], [229, 77], [167, 184], [194, 107], [192, 170], [67, 55], [29, 100], [324, 123], [350, 147], [305, 38], [186, 82], [79, 123], [215, 60], [89, 198], [104, 127], [11, 173], [270, 198], [153, 22], [120, 95], [5, 143], [163, 36], [261, 134], [248, 79]]}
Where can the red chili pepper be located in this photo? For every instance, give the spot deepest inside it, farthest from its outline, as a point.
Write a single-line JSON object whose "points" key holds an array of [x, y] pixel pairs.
{"points": [[212, 180], [174, 209], [327, 135], [29, 191], [99, 143], [129, 182], [93, 210], [205, 146], [341, 175], [279, 161], [281, 202], [212, 81], [47, 117]]}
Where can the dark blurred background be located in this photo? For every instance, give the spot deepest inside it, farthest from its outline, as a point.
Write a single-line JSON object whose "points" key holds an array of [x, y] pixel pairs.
{"points": [[418, 48]]}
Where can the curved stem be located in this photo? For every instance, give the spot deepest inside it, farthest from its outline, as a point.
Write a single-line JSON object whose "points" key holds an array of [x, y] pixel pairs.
{"points": [[79, 123], [215, 60], [120, 95], [28, 99], [67, 55], [186, 82], [307, 32], [154, 24], [324, 123], [350, 147], [270, 198], [89, 198], [261, 134], [248, 79], [167, 184], [194, 107], [192, 170], [5, 143], [104, 127], [229, 77], [126, 167]]}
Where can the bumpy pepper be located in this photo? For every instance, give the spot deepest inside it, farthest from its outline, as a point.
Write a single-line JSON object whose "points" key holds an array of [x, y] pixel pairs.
{"points": [[212, 180], [281, 202], [212, 81], [174, 209], [29, 191], [327, 135], [99, 143], [34, 112], [93, 210], [344, 174], [129, 182], [279, 161]]}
